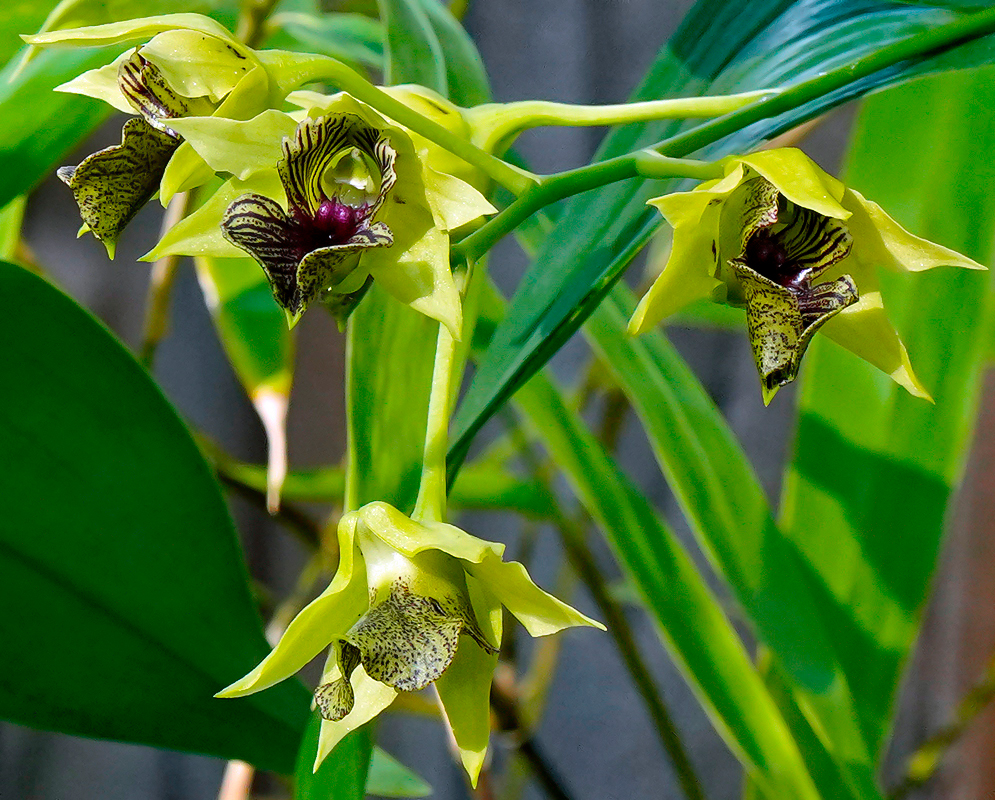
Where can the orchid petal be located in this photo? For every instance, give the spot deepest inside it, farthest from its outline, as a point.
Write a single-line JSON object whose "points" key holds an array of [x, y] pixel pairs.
{"points": [[322, 620]]}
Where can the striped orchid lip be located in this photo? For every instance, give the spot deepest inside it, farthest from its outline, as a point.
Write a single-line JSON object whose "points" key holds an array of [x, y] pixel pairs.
{"points": [[310, 249], [786, 248]]}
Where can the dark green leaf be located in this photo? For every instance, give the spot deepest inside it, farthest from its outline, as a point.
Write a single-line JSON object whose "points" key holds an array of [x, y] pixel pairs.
{"points": [[412, 50], [342, 774], [692, 623], [466, 76], [133, 609]]}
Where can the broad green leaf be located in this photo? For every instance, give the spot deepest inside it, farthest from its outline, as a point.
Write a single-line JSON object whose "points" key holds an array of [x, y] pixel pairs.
{"points": [[17, 17], [390, 778], [39, 127], [872, 465], [465, 73], [342, 774], [253, 330], [692, 623], [729, 513], [133, 609], [412, 50], [349, 37]]}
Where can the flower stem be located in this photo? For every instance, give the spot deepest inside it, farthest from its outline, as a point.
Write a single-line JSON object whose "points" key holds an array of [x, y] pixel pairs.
{"points": [[311, 69], [496, 125], [431, 503], [564, 184]]}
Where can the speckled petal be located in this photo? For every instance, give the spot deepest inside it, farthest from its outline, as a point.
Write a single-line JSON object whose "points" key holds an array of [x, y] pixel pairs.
{"points": [[408, 640], [113, 184], [778, 328], [371, 697], [336, 698]]}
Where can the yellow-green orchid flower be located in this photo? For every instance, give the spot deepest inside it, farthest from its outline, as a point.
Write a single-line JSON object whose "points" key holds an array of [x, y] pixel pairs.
{"points": [[327, 199], [800, 251], [189, 65], [410, 604]]}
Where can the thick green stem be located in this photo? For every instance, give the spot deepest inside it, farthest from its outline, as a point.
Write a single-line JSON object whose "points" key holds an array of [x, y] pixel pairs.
{"points": [[431, 503], [313, 69], [564, 184], [496, 125]]}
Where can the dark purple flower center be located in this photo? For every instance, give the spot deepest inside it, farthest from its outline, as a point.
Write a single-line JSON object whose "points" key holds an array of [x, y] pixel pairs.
{"points": [[334, 222], [768, 256]]}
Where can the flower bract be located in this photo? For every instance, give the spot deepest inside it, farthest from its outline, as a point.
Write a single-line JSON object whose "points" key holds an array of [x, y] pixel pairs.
{"points": [[410, 604], [800, 252]]}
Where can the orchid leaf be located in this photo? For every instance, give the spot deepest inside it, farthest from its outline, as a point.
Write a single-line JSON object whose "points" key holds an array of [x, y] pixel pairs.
{"points": [[150, 596], [412, 50], [691, 621], [353, 38], [874, 466]]}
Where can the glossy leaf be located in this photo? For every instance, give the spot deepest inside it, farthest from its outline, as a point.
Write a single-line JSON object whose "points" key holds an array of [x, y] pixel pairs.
{"points": [[413, 53], [133, 609], [466, 76], [343, 774], [692, 623], [17, 17], [11, 220], [873, 466], [729, 513]]}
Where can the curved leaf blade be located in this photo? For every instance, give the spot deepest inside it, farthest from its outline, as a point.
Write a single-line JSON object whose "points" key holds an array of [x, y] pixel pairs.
{"points": [[132, 608]]}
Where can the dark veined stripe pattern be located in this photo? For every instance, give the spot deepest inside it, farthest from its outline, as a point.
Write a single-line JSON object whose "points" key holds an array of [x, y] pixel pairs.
{"points": [[314, 146], [814, 242], [145, 88], [258, 225]]}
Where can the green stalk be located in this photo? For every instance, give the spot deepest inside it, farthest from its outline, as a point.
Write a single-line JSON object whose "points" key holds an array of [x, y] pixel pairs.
{"points": [[564, 184], [432, 491], [496, 125]]}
